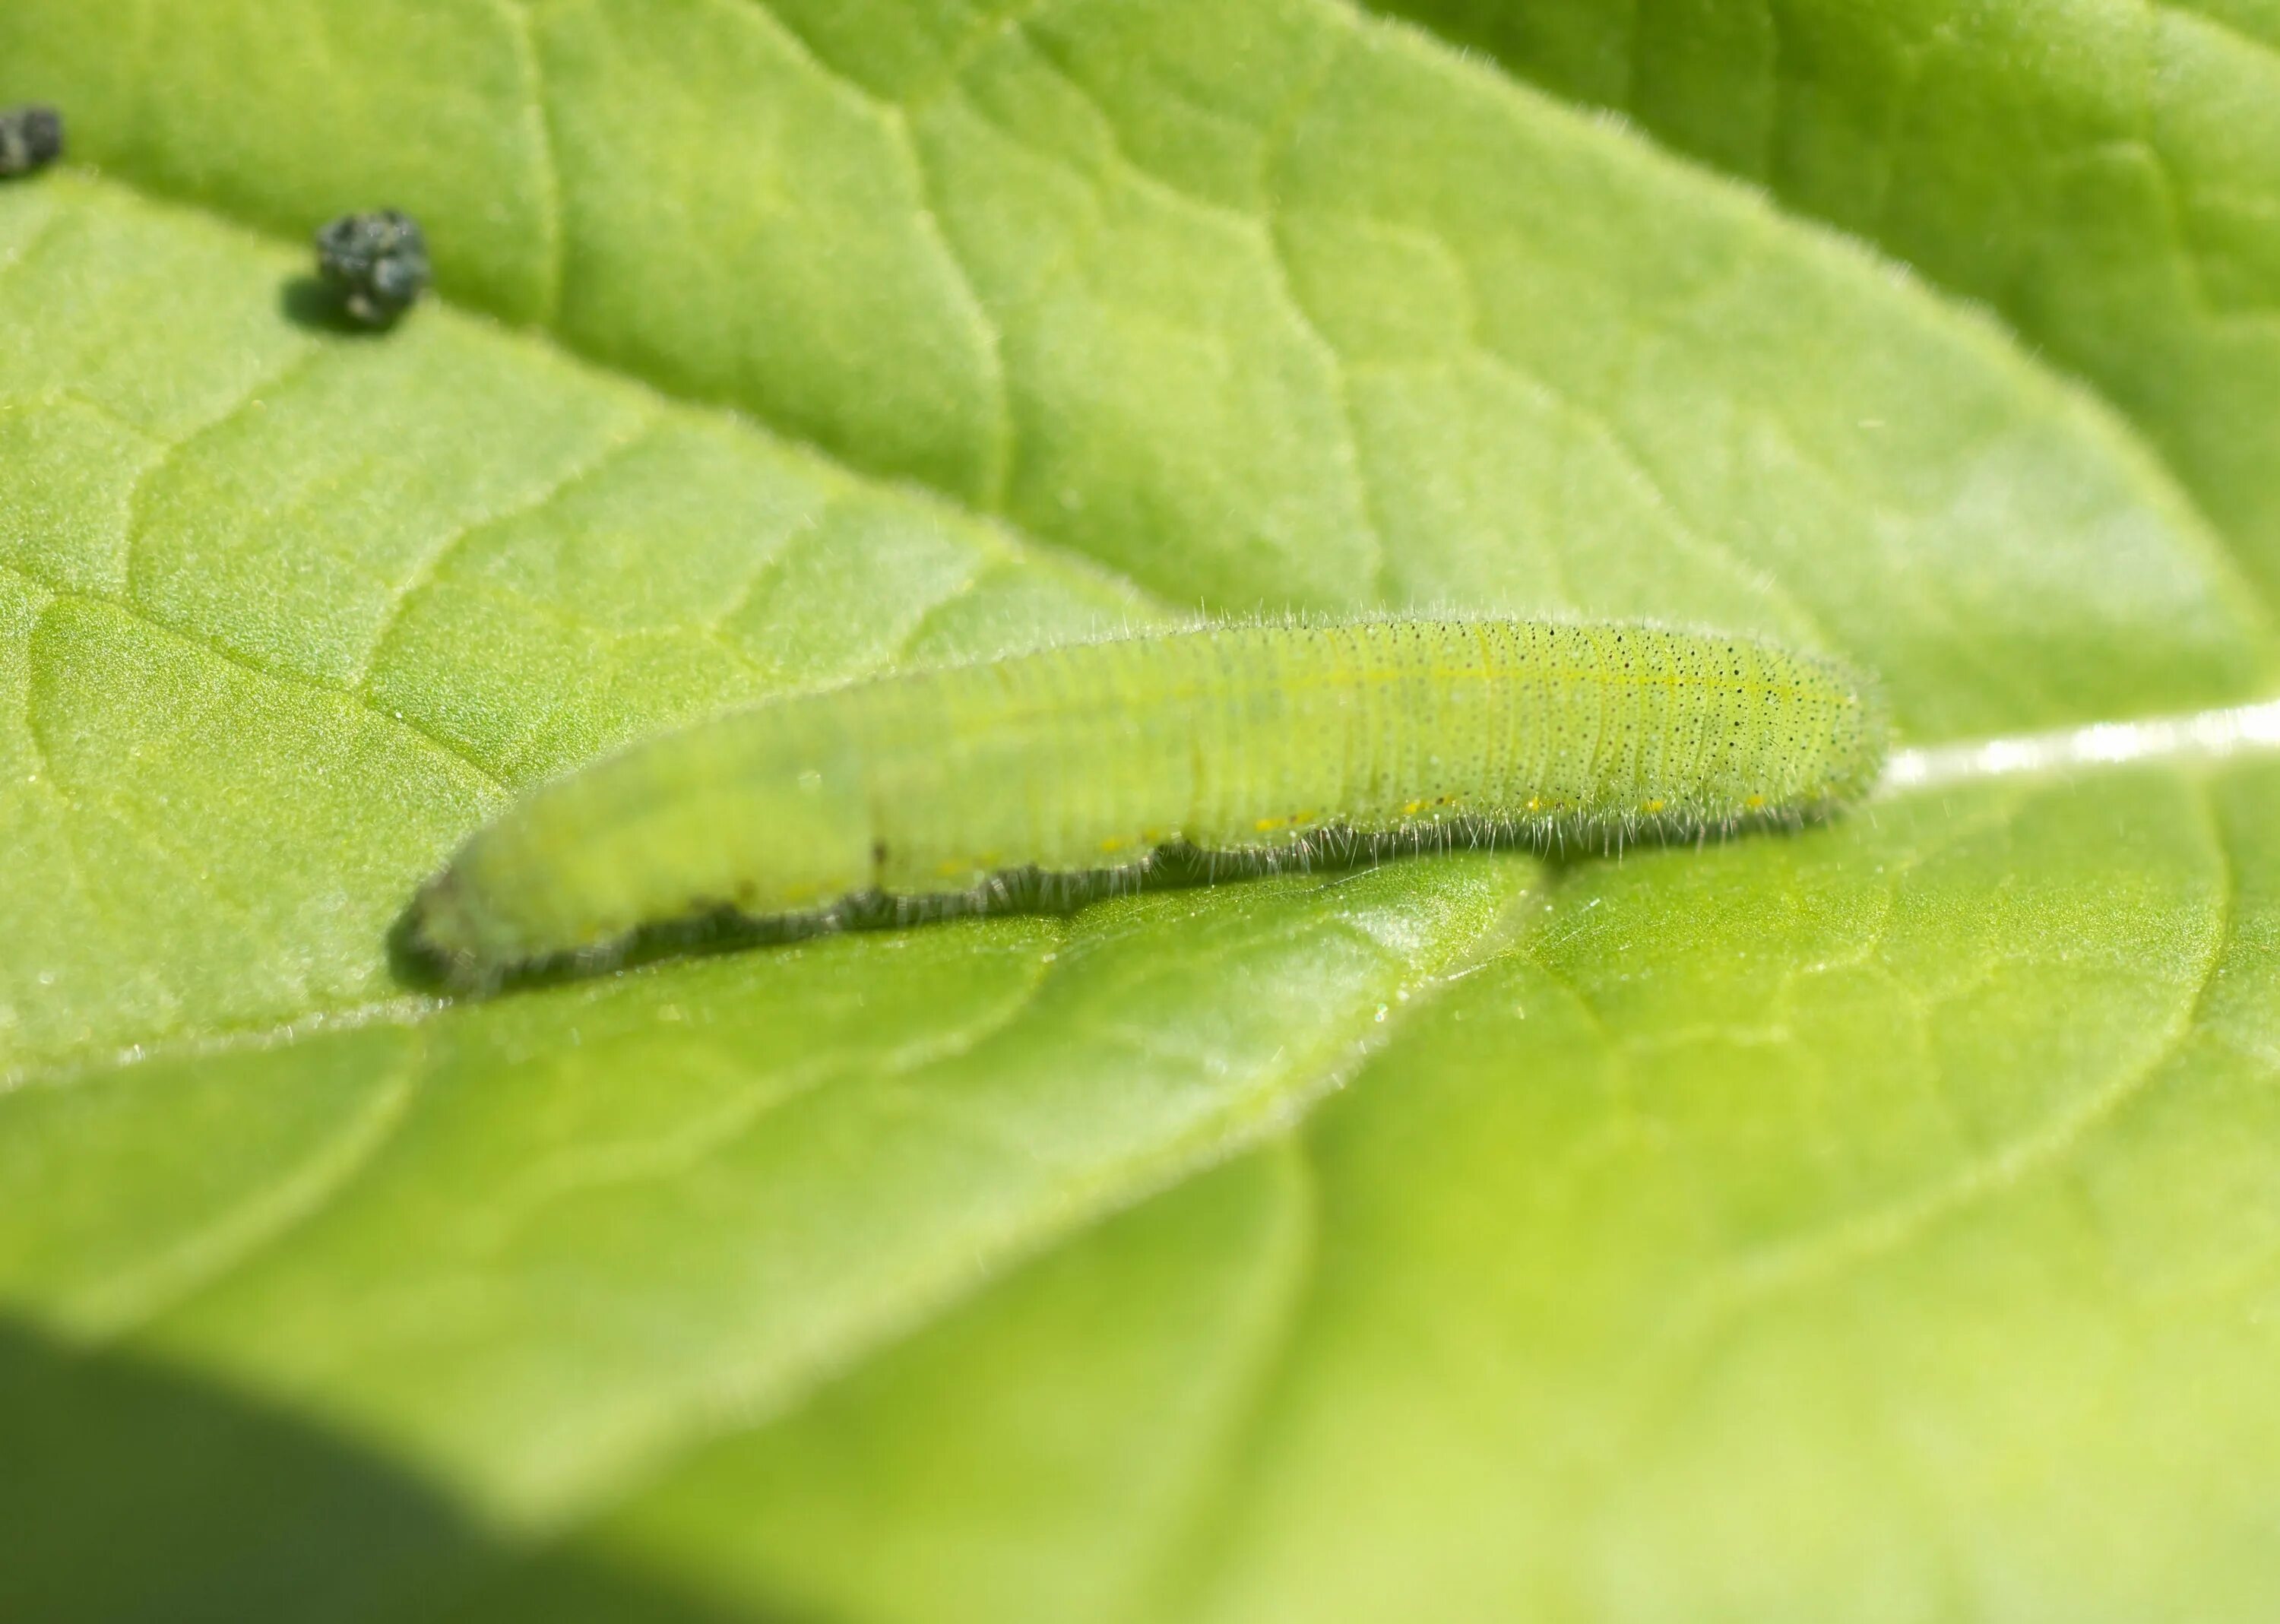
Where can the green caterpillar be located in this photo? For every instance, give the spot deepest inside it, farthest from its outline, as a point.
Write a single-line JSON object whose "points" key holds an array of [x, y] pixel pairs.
{"points": [[1264, 742]]}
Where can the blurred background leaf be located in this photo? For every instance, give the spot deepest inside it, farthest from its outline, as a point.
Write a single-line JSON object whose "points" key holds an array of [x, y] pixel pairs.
{"points": [[1880, 1223]]}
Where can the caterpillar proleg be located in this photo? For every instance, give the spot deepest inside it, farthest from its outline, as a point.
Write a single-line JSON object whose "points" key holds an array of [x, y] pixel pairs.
{"points": [[1263, 742]]}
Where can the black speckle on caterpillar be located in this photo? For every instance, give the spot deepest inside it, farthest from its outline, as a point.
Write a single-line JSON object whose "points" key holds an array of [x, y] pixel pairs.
{"points": [[1255, 746]]}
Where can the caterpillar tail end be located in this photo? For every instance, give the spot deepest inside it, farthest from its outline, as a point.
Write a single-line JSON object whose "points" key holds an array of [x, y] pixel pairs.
{"points": [[1871, 742]]}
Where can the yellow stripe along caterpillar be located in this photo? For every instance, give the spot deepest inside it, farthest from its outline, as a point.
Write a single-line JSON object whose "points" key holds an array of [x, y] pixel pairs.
{"points": [[1263, 742]]}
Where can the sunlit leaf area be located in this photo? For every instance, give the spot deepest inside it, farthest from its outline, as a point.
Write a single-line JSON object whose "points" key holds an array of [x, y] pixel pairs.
{"points": [[1875, 1222]]}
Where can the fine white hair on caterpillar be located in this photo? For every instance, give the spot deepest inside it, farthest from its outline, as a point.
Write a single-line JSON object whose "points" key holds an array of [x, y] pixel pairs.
{"points": [[1232, 748]]}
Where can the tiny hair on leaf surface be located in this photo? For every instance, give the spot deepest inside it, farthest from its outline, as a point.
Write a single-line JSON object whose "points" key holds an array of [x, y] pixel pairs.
{"points": [[1870, 1221]]}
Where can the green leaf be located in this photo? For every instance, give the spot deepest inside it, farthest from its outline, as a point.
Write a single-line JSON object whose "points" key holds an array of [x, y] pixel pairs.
{"points": [[2101, 176], [1871, 1223]]}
